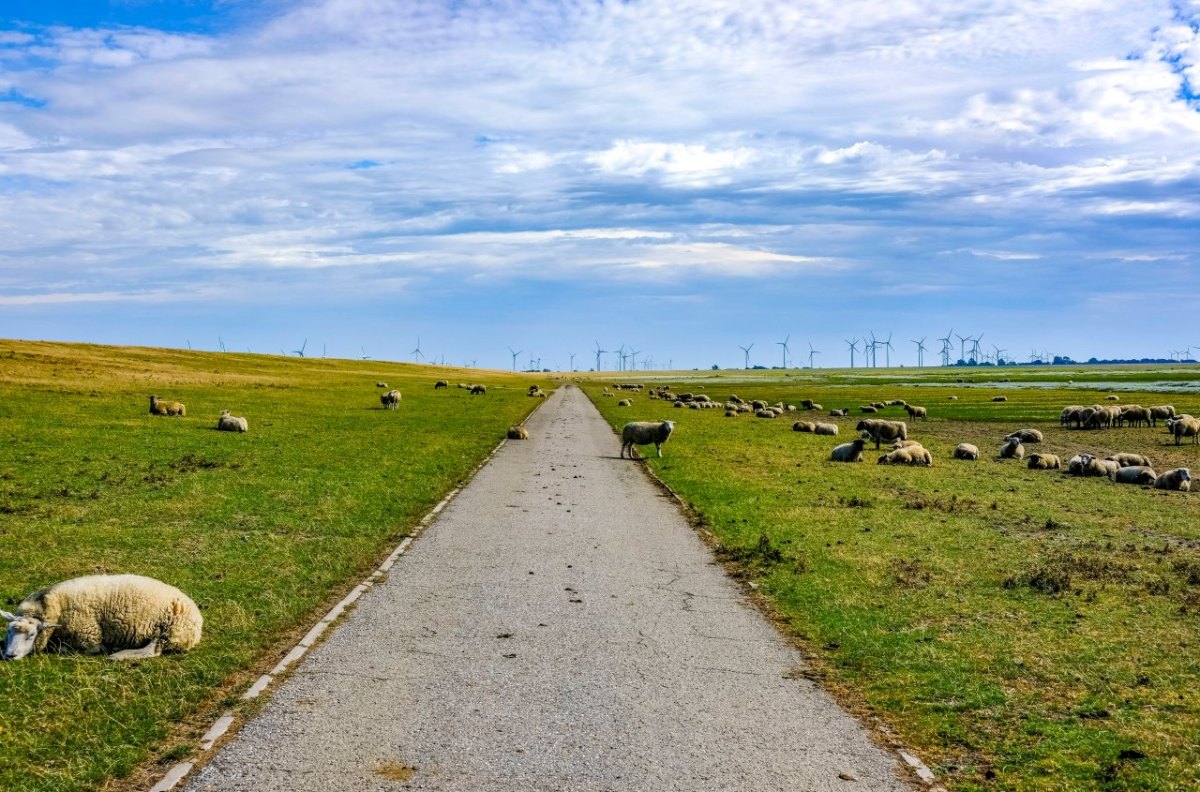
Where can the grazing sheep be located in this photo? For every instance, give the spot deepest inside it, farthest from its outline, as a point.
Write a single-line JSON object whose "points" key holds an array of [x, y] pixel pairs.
{"points": [[880, 430], [160, 407], [625, 403], [827, 429], [1185, 426], [1134, 474], [232, 423], [1130, 460], [915, 412], [481, 390], [804, 426], [390, 400], [734, 398], [1012, 449], [129, 616], [999, 398], [1044, 462], [437, 385], [381, 385], [517, 433], [966, 451], [1069, 414], [909, 455], [644, 433], [1163, 411], [848, 452], [1179, 479], [1025, 436]]}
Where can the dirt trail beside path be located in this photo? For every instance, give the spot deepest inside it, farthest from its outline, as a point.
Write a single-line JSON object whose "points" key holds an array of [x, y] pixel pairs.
{"points": [[559, 627]]}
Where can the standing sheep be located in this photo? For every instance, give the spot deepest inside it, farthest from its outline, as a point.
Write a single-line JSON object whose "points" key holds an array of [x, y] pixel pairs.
{"points": [[644, 433], [130, 616], [390, 400], [437, 385], [1179, 479], [849, 452], [160, 407], [966, 451], [1134, 474], [1163, 411], [231, 423], [480, 390], [880, 430], [1185, 426], [916, 412]]}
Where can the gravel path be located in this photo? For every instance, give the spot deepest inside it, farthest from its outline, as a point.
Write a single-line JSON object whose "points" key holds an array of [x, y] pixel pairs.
{"points": [[560, 627]]}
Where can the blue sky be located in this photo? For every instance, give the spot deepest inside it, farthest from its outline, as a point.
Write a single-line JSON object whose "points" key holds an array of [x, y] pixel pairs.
{"points": [[683, 178]]}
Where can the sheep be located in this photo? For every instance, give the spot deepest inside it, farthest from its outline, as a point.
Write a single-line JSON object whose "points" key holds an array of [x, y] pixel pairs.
{"points": [[625, 403], [758, 404], [966, 451], [517, 433], [480, 390], [1069, 413], [1012, 449], [1134, 415], [953, 398], [1044, 462], [909, 455], [731, 413], [678, 404], [896, 403], [130, 616], [1134, 474], [1185, 426], [735, 399], [390, 400], [437, 385], [1179, 479], [382, 385], [694, 405], [232, 423], [827, 429], [160, 407], [1090, 466], [804, 426], [1130, 460], [838, 413], [1025, 435], [644, 433], [880, 430], [1112, 397], [915, 412], [848, 452], [906, 443], [869, 408], [1163, 411], [1074, 465], [766, 414], [999, 398], [745, 408]]}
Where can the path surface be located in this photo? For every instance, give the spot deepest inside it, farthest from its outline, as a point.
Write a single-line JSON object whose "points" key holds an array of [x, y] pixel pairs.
{"points": [[560, 627]]}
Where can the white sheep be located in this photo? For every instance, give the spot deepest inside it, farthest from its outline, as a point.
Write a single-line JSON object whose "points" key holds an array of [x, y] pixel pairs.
{"points": [[966, 451], [644, 433], [130, 616], [1179, 479], [880, 430], [625, 403], [826, 429], [907, 455], [232, 423], [849, 452], [1134, 474], [1044, 462], [160, 407], [916, 412], [481, 390], [517, 433], [1012, 449], [1130, 460], [1026, 436], [390, 400], [1184, 426], [1090, 466]]}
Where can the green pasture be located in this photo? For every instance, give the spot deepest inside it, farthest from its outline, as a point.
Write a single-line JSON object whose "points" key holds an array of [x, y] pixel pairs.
{"points": [[1019, 629], [264, 530]]}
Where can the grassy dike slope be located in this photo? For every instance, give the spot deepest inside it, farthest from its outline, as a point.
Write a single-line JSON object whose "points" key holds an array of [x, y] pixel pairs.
{"points": [[263, 529], [1020, 629]]}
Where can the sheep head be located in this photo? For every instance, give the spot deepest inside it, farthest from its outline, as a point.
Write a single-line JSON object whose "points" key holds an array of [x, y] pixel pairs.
{"points": [[22, 634]]}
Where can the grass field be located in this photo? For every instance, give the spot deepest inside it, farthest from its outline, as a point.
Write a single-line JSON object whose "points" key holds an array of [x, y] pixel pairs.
{"points": [[1020, 629], [264, 529]]}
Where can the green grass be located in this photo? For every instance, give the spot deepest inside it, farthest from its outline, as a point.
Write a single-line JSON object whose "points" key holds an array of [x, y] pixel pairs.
{"points": [[263, 529], [1019, 629]]}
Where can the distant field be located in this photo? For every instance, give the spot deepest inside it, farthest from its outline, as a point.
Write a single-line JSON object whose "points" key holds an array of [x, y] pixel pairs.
{"points": [[1020, 629], [263, 530]]}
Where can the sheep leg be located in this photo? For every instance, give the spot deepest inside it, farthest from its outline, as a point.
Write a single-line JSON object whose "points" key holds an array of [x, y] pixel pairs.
{"points": [[151, 649]]}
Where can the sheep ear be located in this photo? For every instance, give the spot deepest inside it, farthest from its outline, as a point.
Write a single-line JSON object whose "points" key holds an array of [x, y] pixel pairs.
{"points": [[45, 625], [7, 616]]}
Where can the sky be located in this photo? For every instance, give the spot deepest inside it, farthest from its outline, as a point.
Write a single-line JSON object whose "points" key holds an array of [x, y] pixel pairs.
{"points": [[678, 177]]}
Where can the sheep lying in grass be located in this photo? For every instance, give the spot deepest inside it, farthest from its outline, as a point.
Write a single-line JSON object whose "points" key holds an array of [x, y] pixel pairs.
{"points": [[880, 430], [390, 400], [804, 426], [129, 616], [232, 423], [827, 429], [517, 433], [1113, 397], [1179, 479], [644, 433], [1012, 449], [839, 413], [437, 385], [848, 452], [966, 451], [766, 414], [160, 407], [1090, 466], [1044, 462], [380, 384], [625, 403], [1130, 460], [916, 412], [908, 455], [731, 413], [1026, 436], [953, 398], [1134, 474], [868, 409], [999, 398], [1074, 465]]}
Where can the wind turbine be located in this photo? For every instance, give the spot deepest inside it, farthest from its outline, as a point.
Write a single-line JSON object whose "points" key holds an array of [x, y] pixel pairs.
{"points": [[514, 354], [633, 353], [365, 356], [746, 354], [920, 352], [872, 346], [784, 344], [888, 351], [962, 349], [946, 347], [853, 348], [572, 361], [599, 352], [299, 352], [997, 351], [811, 353], [975, 347], [416, 353], [221, 342]]}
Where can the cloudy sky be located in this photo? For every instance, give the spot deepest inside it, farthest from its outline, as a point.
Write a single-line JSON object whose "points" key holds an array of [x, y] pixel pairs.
{"points": [[682, 177]]}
